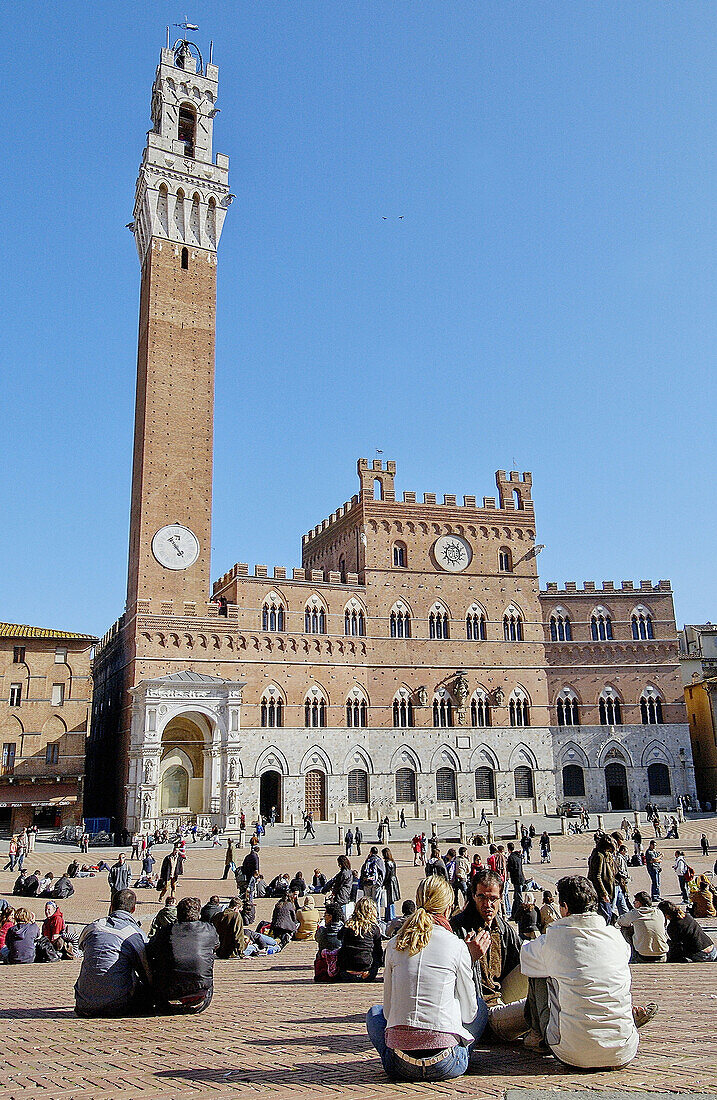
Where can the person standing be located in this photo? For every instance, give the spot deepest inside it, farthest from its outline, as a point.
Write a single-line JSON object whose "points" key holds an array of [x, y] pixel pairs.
{"points": [[704, 844], [402, 818], [653, 862], [514, 869], [120, 875], [544, 847], [637, 841], [309, 825], [229, 859], [12, 855], [349, 841], [391, 887], [682, 870], [526, 843], [358, 839], [601, 873], [172, 868], [135, 846]]}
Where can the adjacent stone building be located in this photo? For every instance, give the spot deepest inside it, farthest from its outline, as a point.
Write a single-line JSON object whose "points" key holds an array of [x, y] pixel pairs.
{"points": [[698, 663], [44, 719], [411, 662]]}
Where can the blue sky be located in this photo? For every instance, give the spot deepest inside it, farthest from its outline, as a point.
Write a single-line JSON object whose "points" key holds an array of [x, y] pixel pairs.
{"points": [[546, 303]]}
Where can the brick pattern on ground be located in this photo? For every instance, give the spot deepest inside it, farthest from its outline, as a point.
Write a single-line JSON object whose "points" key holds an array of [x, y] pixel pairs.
{"points": [[272, 1030]]}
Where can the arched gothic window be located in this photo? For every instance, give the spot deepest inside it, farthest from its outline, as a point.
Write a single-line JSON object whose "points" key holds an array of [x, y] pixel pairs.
{"points": [[475, 624], [610, 708], [400, 555], [402, 711], [518, 708], [513, 625], [314, 617], [438, 622], [485, 783], [560, 626], [505, 560], [658, 779], [567, 708], [186, 128], [356, 712], [480, 709], [523, 782], [400, 621], [354, 620], [272, 710], [314, 711], [642, 624], [272, 613], [442, 711], [650, 707], [601, 625]]}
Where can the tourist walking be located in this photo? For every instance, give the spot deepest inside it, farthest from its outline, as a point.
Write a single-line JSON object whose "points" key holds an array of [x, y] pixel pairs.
{"points": [[309, 825], [349, 841]]}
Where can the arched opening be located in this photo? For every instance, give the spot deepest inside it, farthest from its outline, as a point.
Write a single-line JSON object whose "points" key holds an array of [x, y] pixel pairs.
{"points": [[185, 259], [445, 785], [175, 789], [485, 784], [358, 787], [270, 794], [186, 129], [523, 782], [658, 780], [315, 794], [616, 786], [377, 489], [405, 785], [573, 781], [182, 766]]}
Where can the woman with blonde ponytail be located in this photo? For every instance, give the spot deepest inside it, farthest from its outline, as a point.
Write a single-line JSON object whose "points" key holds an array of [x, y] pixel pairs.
{"points": [[431, 1011]]}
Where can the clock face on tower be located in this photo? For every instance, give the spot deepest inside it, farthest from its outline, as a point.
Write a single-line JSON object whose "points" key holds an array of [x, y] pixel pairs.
{"points": [[175, 546], [452, 553]]}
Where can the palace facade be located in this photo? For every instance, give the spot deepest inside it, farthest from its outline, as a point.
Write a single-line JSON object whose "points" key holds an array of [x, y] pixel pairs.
{"points": [[412, 661]]}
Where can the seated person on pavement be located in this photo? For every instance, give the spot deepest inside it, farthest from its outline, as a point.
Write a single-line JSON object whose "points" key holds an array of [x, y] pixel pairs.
{"points": [[114, 977], [181, 960], [644, 928]]}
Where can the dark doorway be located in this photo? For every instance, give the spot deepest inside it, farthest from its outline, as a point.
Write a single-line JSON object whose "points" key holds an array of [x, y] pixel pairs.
{"points": [[616, 786], [270, 794], [5, 820], [46, 817]]}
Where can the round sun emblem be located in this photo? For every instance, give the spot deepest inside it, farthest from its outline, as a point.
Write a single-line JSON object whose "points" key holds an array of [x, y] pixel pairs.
{"points": [[452, 553]]}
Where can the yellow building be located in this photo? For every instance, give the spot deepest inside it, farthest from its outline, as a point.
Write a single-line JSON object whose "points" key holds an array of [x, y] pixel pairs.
{"points": [[698, 663]]}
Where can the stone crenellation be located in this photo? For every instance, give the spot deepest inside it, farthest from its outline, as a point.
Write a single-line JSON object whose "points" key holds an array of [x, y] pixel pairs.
{"points": [[514, 495], [281, 573], [571, 588]]}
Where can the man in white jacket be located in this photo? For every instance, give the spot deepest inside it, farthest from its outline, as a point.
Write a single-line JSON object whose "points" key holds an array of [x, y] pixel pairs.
{"points": [[579, 1000]]}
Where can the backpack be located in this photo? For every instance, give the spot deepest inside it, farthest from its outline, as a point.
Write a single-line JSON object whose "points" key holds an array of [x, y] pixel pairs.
{"points": [[45, 951], [690, 873]]}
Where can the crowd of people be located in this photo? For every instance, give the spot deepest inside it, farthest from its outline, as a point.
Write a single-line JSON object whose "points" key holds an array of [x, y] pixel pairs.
{"points": [[482, 949]]}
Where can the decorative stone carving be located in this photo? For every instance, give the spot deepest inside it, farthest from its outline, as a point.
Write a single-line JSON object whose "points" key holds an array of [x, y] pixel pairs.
{"points": [[148, 772], [147, 804], [422, 694], [461, 689], [232, 770]]}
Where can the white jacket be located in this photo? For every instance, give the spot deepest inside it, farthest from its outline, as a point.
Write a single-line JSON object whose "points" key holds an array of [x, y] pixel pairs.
{"points": [[433, 990], [586, 964]]}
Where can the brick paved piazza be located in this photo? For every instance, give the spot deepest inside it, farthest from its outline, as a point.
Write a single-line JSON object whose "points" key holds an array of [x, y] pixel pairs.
{"points": [[271, 1030]]}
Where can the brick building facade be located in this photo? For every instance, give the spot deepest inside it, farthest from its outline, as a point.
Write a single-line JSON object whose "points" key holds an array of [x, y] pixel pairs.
{"points": [[412, 661], [44, 720]]}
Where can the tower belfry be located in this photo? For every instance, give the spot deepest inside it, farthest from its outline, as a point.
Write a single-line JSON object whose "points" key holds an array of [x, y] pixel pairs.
{"points": [[181, 200]]}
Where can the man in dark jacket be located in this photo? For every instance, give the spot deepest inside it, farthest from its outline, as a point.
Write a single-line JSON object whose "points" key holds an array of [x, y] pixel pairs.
{"points": [[114, 978], [63, 888], [493, 943], [514, 869], [284, 921], [181, 961], [211, 910], [250, 864], [26, 885], [120, 875]]}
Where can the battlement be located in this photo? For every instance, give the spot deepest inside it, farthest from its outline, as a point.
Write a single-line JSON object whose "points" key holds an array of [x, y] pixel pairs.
{"points": [[590, 588], [280, 573], [377, 487]]}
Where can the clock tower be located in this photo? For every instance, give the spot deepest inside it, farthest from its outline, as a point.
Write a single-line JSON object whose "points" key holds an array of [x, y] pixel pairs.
{"points": [[181, 200]]}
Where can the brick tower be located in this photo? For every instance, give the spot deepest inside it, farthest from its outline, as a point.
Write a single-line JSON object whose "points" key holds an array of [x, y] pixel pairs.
{"points": [[180, 203]]}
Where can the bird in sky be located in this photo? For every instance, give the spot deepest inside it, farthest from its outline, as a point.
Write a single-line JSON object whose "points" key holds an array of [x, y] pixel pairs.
{"points": [[399, 218]]}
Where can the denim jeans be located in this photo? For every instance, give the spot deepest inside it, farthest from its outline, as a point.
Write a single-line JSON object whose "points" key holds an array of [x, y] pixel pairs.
{"points": [[654, 873], [454, 1064], [619, 902], [389, 913]]}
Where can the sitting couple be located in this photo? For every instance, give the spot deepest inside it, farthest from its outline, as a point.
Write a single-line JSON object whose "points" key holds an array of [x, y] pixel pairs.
{"points": [[123, 975], [446, 981]]}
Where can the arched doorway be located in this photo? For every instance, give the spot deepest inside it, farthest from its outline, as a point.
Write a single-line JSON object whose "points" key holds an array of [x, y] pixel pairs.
{"points": [[315, 794], [616, 786], [270, 794], [181, 779]]}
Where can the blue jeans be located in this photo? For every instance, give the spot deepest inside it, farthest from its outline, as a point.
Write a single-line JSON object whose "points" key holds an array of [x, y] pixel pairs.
{"points": [[619, 902], [454, 1064], [654, 873]]}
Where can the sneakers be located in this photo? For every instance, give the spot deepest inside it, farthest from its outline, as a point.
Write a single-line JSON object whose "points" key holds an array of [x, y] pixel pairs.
{"points": [[642, 1014]]}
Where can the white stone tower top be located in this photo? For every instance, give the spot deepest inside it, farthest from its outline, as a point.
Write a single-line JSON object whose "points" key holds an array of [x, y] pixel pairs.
{"points": [[182, 194]]}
